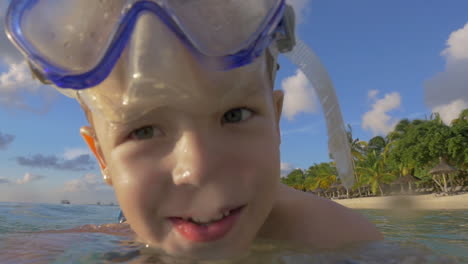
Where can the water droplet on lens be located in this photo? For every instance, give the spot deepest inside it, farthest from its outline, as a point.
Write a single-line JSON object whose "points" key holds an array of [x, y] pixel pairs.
{"points": [[126, 9]]}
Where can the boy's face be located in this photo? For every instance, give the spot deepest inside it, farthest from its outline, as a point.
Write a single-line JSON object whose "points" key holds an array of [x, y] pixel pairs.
{"points": [[201, 152]]}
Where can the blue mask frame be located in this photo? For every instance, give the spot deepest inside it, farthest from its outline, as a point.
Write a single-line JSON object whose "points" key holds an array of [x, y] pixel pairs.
{"points": [[63, 78]]}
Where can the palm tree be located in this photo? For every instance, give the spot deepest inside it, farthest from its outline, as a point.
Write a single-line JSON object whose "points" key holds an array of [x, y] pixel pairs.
{"points": [[358, 147], [374, 172], [358, 150], [377, 144], [320, 176]]}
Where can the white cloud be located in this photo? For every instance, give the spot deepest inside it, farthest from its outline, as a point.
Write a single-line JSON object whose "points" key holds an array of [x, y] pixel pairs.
{"points": [[377, 119], [300, 8], [16, 84], [28, 177], [447, 91], [26, 193], [85, 190], [88, 189], [17, 74], [73, 153], [457, 45], [450, 111], [299, 95], [286, 168], [87, 183], [372, 94]]}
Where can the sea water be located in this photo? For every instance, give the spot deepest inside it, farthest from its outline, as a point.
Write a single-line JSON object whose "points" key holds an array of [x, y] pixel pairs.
{"points": [[418, 237]]}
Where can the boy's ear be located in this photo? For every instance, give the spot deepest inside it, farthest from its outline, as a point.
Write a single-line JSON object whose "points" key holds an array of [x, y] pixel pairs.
{"points": [[89, 137], [278, 97]]}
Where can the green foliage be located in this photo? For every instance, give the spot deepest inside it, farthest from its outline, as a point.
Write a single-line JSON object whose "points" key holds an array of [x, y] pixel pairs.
{"points": [[320, 175], [458, 144], [400, 130], [295, 179], [375, 172], [377, 144], [358, 147], [413, 147], [421, 144]]}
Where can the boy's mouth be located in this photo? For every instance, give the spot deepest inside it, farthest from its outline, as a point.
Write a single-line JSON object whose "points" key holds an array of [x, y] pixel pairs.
{"points": [[204, 230]]}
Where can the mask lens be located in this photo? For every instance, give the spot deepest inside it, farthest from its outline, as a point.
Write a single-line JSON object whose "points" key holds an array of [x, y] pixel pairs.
{"points": [[219, 28], [73, 35]]}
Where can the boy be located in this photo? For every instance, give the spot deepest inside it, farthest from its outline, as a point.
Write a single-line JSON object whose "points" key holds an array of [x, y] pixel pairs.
{"points": [[189, 141]]}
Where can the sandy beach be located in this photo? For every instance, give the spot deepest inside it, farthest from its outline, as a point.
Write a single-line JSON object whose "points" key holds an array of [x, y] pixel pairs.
{"points": [[419, 202]]}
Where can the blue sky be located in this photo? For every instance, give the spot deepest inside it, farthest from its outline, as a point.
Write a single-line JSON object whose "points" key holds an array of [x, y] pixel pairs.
{"points": [[388, 60]]}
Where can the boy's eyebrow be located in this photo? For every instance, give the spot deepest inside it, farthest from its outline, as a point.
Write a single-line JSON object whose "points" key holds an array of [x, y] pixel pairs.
{"points": [[141, 117], [170, 101], [254, 90]]}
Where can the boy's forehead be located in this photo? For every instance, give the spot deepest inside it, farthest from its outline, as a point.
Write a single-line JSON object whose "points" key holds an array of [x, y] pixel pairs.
{"points": [[196, 89], [200, 101]]}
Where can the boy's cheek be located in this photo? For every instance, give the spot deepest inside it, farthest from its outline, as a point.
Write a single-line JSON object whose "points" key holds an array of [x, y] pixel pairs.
{"points": [[143, 174], [144, 188], [139, 183]]}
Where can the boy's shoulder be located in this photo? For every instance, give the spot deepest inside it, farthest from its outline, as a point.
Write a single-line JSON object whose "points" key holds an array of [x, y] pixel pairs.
{"points": [[314, 221]]}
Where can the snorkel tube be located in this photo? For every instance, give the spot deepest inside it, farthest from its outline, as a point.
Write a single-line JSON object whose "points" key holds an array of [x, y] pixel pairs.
{"points": [[309, 63]]}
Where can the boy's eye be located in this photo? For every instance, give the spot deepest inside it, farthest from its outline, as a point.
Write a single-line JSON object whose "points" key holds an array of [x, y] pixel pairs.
{"points": [[237, 115], [145, 132]]}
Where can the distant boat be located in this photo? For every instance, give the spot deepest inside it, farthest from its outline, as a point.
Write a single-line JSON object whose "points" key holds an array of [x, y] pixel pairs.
{"points": [[65, 202]]}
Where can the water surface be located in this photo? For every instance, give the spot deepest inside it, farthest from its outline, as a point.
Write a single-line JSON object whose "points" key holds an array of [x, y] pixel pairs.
{"points": [[410, 237]]}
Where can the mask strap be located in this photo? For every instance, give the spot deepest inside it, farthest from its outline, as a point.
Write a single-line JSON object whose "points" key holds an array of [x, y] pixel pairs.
{"points": [[285, 40]]}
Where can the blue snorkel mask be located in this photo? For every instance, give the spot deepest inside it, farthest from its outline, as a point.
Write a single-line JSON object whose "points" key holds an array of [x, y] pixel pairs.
{"points": [[65, 52], [75, 45]]}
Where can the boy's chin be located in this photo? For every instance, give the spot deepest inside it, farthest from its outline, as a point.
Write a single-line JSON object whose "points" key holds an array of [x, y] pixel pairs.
{"points": [[208, 253], [223, 251], [229, 251]]}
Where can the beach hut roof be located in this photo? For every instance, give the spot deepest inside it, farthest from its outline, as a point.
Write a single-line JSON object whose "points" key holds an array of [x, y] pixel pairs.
{"points": [[336, 185], [405, 179], [318, 190], [442, 168]]}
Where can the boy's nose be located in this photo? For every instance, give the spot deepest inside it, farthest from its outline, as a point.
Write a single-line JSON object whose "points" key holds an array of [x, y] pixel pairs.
{"points": [[194, 158]]}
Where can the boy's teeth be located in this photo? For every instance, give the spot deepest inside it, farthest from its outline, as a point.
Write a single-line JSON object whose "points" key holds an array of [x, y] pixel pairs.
{"points": [[203, 221], [226, 213]]}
